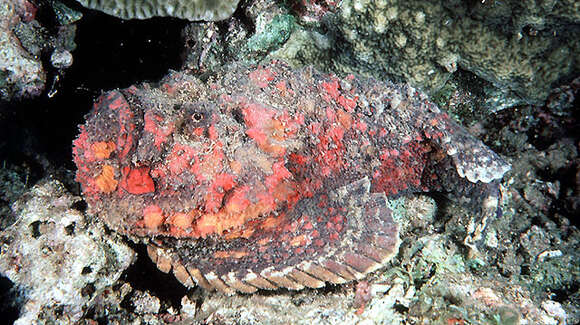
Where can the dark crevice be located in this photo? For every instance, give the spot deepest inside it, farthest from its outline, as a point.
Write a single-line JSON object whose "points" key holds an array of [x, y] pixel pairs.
{"points": [[9, 301], [143, 275], [566, 294], [35, 229], [80, 206], [111, 53]]}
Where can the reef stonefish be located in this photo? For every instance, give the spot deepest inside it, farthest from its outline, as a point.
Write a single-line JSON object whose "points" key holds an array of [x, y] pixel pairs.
{"points": [[266, 177]]}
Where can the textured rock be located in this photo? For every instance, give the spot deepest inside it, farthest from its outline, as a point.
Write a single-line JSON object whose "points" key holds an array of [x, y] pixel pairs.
{"points": [[21, 73], [13, 182], [144, 303], [208, 10], [24, 41], [59, 260], [527, 47], [449, 294], [272, 35], [266, 177]]}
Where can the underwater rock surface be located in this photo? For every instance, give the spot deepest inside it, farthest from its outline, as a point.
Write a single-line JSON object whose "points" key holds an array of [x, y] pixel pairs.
{"points": [[528, 271], [21, 73], [25, 40], [268, 177], [527, 48], [57, 257]]}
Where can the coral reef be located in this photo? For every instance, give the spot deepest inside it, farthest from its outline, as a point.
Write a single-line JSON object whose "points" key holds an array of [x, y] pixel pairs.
{"points": [[209, 48], [13, 183], [23, 41], [209, 10], [274, 34], [450, 295], [525, 48], [521, 51], [265, 177], [492, 59], [432, 284], [21, 73], [58, 258]]}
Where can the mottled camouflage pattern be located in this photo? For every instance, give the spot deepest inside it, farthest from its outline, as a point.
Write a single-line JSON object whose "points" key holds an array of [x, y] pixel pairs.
{"points": [[268, 177]]}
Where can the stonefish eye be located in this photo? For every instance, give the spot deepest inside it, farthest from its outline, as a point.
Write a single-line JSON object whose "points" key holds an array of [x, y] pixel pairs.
{"points": [[197, 117]]}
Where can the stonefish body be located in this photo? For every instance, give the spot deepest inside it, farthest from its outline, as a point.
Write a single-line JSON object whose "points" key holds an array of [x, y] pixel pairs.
{"points": [[267, 177]]}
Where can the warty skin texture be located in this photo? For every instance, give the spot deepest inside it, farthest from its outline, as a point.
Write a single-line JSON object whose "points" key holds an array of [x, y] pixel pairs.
{"points": [[265, 177]]}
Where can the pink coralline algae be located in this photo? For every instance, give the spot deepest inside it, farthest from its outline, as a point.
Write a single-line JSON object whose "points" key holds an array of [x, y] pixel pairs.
{"points": [[266, 177]]}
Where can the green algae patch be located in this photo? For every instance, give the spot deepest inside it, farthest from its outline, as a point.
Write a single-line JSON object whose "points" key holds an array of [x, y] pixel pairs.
{"points": [[276, 33]]}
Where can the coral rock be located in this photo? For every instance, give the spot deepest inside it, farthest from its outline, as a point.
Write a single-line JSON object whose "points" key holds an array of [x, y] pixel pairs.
{"points": [[209, 10], [268, 177], [21, 72], [59, 259]]}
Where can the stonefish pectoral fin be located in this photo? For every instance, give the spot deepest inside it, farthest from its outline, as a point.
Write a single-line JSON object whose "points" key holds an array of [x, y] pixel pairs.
{"points": [[332, 238]]}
